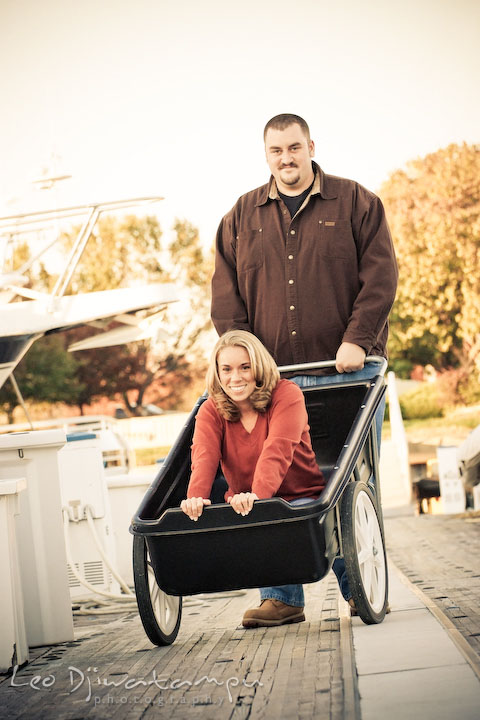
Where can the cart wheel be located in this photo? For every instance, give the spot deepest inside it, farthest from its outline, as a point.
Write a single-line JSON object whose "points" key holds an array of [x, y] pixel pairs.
{"points": [[160, 613], [364, 553]]}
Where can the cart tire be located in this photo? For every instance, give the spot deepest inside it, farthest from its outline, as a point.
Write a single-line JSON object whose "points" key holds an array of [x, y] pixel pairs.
{"points": [[160, 613], [364, 553]]}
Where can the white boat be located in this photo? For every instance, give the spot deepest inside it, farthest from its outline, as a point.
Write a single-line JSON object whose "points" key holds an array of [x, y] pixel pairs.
{"points": [[21, 323], [51, 488]]}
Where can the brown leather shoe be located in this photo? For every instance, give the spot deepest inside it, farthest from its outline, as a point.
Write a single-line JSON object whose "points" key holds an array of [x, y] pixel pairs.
{"points": [[272, 612]]}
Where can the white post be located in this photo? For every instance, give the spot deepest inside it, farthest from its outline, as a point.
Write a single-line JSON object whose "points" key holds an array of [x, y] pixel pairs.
{"points": [[452, 491], [13, 639], [40, 537], [394, 466]]}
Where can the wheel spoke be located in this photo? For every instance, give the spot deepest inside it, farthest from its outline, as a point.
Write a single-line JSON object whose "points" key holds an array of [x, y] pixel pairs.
{"points": [[162, 608], [366, 571], [371, 530], [378, 560], [367, 521], [363, 556], [374, 587], [171, 602], [361, 537], [362, 531], [154, 594]]}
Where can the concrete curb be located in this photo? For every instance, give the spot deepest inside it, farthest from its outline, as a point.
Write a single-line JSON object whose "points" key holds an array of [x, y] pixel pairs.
{"points": [[414, 665]]}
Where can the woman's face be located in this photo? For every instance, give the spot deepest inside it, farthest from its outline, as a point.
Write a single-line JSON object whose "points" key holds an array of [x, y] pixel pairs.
{"points": [[236, 375]]}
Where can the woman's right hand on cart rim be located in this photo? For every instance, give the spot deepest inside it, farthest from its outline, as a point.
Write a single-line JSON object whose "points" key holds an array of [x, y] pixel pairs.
{"points": [[242, 503], [193, 507]]}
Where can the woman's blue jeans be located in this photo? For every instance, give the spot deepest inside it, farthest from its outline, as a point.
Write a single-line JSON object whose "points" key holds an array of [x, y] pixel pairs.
{"points": [[293, 594]]}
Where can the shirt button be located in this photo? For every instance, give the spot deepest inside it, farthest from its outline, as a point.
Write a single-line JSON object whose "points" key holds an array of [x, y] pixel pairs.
{"points": [[292, 232], [290, 257], [292, 307], [294, 332], [290, 282], [319, 222]]}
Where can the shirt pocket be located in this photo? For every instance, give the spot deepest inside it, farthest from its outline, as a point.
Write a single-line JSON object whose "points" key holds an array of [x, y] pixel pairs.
{"points": [[249, 249], [336, 239]]}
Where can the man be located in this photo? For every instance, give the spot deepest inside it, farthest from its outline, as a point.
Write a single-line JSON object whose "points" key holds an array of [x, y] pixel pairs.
{"points": [[306, 263]]}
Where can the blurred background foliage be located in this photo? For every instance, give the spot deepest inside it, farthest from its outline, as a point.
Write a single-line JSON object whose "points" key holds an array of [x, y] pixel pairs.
{"points": [[122, 252], [433, 209]]}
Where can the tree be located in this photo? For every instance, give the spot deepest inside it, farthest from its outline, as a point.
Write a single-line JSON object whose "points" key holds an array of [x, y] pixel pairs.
{"points": [[131, 369], [122, 251], [45, 374], [192, 268], [128, 249], [118, 250], [433, 208]]}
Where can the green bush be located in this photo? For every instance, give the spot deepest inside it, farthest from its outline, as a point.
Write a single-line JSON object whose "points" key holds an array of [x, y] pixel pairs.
{"points": [[459, 386], [423, 402], [401, 367], [469, 390]]}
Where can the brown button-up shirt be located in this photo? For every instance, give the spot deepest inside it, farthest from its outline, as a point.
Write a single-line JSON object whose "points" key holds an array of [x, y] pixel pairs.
{"points": [[304, 285]]}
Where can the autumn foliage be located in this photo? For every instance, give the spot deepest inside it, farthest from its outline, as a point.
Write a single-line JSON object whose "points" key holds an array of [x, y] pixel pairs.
{"points": [[125, 251], [433, 208]]}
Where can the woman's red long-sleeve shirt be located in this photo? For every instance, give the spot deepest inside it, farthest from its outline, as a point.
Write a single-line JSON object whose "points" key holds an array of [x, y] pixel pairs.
{"points": [[274, 459]]}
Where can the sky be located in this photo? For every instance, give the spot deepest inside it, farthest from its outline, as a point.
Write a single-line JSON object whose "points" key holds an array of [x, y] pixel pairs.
{"points": [[157, 97]]}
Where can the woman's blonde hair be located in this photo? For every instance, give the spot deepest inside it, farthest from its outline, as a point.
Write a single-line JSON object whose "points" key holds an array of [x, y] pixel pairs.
{"points": [[264, 370]]}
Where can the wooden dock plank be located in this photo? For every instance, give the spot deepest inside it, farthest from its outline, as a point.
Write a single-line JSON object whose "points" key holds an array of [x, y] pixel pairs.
{"points": [[215, 669]]}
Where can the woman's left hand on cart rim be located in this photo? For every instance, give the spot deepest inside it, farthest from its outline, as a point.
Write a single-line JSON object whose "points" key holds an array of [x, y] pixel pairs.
{"points": [[242, 503]]}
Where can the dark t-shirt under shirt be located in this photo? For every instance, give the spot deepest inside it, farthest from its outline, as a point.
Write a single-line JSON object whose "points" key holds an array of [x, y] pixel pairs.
{"points": [[294, 202]]}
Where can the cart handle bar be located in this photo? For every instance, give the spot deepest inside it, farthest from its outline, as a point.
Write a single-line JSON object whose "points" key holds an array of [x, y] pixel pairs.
{"points": [[331, 363]]}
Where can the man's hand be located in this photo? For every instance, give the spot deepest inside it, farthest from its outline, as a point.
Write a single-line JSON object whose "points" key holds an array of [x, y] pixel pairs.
{"points": [[242, 503], [350, 357], [193, 507]]}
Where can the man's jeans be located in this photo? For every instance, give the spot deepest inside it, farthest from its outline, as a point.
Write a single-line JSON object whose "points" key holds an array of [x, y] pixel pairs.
{"points": [[293, 594], [288, 594]]}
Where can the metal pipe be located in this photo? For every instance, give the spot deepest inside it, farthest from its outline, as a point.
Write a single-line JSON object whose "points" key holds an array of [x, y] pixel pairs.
{"points": [[78, 209], [75, 254], [20, 399], [331, 363]]}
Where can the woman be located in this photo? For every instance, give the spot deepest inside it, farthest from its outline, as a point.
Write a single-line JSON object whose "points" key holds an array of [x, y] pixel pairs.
{"points": [[256, 426]]}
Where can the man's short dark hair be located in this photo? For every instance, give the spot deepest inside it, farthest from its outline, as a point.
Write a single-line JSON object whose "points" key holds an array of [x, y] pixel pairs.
{"points": [[280, 122]]}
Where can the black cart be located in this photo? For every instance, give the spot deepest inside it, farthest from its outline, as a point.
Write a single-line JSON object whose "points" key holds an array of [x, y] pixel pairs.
{"points": [[276, 543]]}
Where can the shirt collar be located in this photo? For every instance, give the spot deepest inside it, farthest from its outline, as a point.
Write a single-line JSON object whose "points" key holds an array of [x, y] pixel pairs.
{"points": [[320, 187]]}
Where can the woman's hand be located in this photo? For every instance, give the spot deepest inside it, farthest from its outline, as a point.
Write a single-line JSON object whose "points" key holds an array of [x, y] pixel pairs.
{"points": [[193, 507], [242, 503]]}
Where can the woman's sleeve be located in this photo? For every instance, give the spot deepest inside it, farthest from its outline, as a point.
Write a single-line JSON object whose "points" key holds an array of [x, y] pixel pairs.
{"points": [[288, 419], [206, 450]]}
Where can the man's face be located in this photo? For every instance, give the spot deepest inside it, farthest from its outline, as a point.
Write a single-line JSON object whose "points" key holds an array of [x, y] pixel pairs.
{"points": [[289, 154]]}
